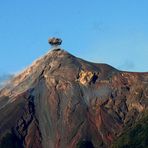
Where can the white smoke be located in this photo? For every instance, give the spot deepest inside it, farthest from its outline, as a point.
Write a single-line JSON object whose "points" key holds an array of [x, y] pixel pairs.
{"points": [[4, 79]]}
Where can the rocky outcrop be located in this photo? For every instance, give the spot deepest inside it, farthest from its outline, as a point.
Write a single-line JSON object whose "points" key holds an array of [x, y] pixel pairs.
{"points": [[64, 102], [87, 77]]}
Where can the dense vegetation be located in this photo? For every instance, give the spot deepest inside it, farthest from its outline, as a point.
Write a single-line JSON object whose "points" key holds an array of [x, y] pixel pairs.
{"points": [[10, 141], [136, 136], [85, 144]]}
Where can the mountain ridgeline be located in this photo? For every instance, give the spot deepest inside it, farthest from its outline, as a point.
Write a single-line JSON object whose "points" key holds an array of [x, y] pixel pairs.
{"points": [[62, 101]]}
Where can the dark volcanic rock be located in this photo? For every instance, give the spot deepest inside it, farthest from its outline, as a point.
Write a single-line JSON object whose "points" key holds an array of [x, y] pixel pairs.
{"points": [[62, 101]]}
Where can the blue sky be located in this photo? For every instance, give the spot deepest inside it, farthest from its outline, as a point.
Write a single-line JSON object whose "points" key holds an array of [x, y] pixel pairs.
{"points": [[103, 31]]}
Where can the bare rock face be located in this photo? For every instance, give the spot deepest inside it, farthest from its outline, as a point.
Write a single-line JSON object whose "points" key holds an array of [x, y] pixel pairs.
{"points": [[64, 102], [87, 77]]}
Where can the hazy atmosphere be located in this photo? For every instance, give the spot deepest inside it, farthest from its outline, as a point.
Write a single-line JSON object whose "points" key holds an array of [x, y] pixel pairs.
{"points": [[103, 31]]}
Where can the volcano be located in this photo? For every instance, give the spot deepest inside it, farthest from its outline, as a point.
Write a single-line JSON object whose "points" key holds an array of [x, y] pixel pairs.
{"points": [[62, 101]]}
